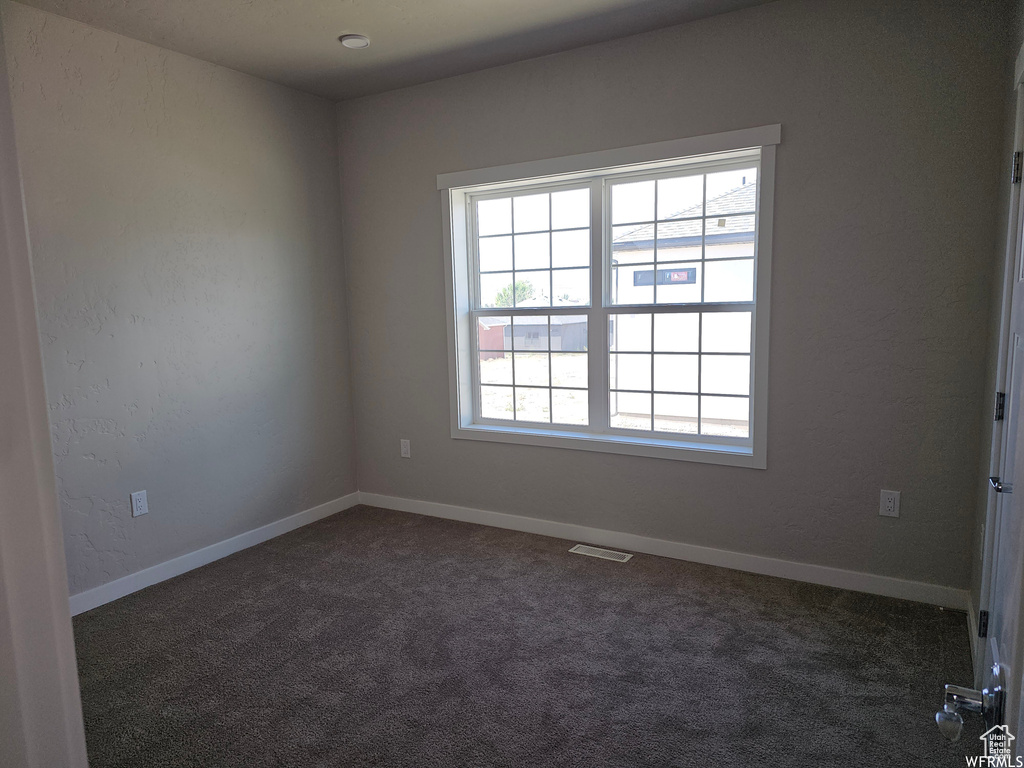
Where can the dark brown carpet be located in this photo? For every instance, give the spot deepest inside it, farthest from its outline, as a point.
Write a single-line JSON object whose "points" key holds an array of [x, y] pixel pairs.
{"points": [[379, 638]]}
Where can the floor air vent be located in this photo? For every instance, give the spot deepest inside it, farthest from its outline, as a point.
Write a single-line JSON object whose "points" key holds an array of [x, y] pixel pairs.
{"points": [[604, 554]]}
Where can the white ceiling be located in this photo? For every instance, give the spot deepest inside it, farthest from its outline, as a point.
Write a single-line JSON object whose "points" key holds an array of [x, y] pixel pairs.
{"points": [[295, 42]]}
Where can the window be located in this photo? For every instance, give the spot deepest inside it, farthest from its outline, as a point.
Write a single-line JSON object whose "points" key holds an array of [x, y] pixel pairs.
{"points": [[616, 301]]}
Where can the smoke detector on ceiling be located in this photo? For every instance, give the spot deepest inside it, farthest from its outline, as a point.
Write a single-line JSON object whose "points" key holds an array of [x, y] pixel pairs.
{"points": [[355, 41]]}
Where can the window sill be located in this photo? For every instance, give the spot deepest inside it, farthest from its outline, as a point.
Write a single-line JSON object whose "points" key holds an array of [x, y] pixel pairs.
{"points": [[705, 453]]}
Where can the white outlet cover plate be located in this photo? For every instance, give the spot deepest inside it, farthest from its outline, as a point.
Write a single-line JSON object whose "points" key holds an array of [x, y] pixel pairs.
{"points": [[140, 506], [406, 450], [884, 504]]}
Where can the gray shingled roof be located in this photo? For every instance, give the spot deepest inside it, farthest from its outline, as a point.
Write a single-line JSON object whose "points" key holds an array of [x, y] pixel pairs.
{"points": [[724, 225], [497, 320]]}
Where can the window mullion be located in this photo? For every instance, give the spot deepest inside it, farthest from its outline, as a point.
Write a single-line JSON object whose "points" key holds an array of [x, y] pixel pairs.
{"points": [[597, 323], [694, 307], [474, 299]]}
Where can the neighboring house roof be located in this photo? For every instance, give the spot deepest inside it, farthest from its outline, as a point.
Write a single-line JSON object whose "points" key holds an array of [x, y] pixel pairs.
{"points": [[683, 228], [497, 321]]}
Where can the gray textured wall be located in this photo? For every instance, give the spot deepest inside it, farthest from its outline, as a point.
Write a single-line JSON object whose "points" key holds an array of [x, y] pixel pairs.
{"points": [[885, 242], [184, 224]]}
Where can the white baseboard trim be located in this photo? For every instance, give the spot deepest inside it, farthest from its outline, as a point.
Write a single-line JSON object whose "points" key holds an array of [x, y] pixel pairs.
{"points": [[133, 582], [918, 591], [922, 592]]}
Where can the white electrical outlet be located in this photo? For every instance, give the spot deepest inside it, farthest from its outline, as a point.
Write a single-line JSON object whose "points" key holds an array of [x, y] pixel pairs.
{"points": [[139, 504], [889, 504], [406, 450]]}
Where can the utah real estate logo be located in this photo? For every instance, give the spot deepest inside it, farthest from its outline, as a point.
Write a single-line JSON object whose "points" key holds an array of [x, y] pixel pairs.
{"points": [[998, 752]]}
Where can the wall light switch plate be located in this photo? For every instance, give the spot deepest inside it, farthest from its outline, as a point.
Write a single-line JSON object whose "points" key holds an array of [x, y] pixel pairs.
{"points": [[889, 504], [140, 506], [406, 449]]}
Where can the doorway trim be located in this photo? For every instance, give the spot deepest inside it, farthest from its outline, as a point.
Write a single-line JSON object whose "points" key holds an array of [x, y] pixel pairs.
{"points": [[1014, 232], [40, 705]]}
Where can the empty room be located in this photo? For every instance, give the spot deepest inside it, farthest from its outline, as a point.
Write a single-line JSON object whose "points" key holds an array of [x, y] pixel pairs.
{"points": [[483, 383]]}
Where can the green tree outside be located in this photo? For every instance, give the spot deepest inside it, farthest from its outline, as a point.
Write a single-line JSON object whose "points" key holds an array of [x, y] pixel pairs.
{"points": [[524, 292]]}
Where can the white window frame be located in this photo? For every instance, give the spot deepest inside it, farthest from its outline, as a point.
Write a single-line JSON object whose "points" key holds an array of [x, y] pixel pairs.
{"points": [[641, 162]]}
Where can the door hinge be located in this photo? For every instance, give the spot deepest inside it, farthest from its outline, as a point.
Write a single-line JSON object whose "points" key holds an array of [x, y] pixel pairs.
{"points": [[1018, 161], [1000, 486], [1000, 406], [982, 623]]}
